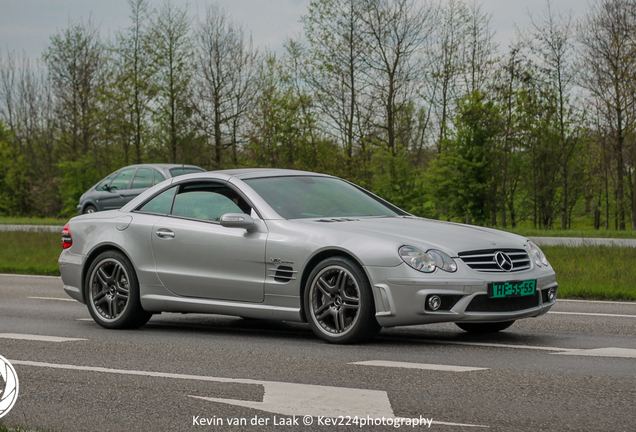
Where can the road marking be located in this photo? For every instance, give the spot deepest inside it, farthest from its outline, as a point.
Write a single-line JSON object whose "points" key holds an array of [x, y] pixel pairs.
{"points": [[595, 352], [489, 345], [40, 338], [53, 298], [593, 314], [597, 301], [85, 319], [424, 366], [603, 352], [279, 397]]}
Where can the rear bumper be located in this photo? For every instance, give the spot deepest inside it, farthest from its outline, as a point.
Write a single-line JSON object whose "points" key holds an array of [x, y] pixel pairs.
{"points": [[71, 272]]}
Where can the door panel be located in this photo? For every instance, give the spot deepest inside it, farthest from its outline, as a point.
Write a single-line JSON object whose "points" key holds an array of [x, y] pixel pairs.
{"points": [[205, 260]]}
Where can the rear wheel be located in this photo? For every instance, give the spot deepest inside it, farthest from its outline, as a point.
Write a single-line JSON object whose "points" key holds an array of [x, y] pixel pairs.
{"points": [[485, 327], [339, 302], [112, 292]]}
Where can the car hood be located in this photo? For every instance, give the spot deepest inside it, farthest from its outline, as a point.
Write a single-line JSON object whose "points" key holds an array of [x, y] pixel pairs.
{"points": [[449, 237]]}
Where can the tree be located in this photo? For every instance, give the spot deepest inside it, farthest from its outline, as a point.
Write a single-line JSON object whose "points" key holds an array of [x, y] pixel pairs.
{"points": [[335, 72], [173, 59], [607, 38], [132, 87], [396, 32], [551, 43], [225, 81], [463, 177]]}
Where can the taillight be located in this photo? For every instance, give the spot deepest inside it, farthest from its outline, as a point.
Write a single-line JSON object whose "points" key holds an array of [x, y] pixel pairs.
{"points": [[67, 240]]}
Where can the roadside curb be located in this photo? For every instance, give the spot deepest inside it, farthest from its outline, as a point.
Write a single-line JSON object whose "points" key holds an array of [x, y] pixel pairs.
{"points": [[32, 228]]}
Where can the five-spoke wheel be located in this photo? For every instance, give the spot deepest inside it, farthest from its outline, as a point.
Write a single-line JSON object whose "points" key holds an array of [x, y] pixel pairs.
{"points": [[339, 302], [112, 292]]}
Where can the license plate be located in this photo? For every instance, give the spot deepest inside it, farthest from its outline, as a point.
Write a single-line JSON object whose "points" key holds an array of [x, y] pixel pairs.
{"points": [[512, 289]]}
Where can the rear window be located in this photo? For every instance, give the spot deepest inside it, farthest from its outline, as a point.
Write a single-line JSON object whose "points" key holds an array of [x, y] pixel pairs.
{"points": [[175, 172]]}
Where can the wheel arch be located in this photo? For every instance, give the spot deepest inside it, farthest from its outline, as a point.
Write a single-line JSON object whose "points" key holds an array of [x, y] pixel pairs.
{"points": [[89, 203], [91, 257], [313, 261]]}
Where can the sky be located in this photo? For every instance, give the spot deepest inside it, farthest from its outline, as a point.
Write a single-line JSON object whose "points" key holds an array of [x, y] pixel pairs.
{"points": [[27, 25]]}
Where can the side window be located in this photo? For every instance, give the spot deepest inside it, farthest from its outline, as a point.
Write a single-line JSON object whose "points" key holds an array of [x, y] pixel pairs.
{"points": [[121, 181], [142, 179], [208, 201], [160, 204], [104, 183], [158, 177]]}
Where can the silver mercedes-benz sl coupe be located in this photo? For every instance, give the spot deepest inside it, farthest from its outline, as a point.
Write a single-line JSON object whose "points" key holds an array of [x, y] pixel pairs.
{"points": [[297, 246]]}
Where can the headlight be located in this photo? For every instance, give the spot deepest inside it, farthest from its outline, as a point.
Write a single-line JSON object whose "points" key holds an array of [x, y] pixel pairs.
{"points": [[537, 255], [427, 262]]}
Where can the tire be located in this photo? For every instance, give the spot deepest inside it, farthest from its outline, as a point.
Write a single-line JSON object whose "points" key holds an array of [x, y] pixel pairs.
{"points": [[112, 292], [89, 209], [485, 327], [339, 303]]}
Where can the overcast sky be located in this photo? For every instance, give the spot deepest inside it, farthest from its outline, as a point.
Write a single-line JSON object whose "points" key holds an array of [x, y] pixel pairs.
{"points": [[26, 25]]}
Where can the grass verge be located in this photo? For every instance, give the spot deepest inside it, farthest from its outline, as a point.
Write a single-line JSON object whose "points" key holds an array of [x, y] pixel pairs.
{"points": [[31, 221], [587, 272], [25, 252], [594, 272], [529, 232]]}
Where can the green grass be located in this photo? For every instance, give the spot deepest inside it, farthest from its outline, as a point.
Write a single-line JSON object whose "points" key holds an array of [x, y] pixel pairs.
{"points": [[585, 233], [25, 252], [31, 221], [594, 272]]}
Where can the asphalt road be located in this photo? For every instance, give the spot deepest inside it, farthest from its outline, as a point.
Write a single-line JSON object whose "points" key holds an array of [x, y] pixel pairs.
{"points": [[572, 370]]}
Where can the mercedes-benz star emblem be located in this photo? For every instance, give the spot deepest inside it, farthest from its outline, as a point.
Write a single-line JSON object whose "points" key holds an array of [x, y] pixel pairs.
{"points": [[503, 261]]}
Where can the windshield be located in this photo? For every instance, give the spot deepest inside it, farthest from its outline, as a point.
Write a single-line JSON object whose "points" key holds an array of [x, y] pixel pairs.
{"points": [[315, 197], [175, 172]]}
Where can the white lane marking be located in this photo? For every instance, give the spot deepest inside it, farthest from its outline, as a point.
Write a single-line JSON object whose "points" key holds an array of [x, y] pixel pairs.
{"points": [[603, 352], [53, 298], [595, 352], [85, 319], [424, 366], [40, 338], [490, 345], [592, 314], [597, 301], [30, 276], [279, 397]]}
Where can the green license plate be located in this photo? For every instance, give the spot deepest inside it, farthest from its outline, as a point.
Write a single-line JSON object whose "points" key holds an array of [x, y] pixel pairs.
{"points": [[512, 289]]}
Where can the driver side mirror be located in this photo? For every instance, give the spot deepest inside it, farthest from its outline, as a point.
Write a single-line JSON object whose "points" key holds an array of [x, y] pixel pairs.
{"points": [[106, 188], [238, 220]]}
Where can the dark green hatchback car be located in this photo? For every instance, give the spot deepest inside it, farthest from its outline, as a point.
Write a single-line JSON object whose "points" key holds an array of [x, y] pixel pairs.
{"points": [[123, 185]]}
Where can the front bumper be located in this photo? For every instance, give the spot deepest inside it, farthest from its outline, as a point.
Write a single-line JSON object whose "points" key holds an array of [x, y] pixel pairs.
{"points": [[400, 295]]}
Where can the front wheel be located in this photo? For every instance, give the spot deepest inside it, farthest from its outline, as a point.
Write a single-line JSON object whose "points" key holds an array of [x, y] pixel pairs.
{"points": [[112, 292], [339, 302], [485, 327], [89, 209]]}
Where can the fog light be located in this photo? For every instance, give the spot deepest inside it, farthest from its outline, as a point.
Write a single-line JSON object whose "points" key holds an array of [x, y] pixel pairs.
{"points": [[434, 302], [552, 294]]}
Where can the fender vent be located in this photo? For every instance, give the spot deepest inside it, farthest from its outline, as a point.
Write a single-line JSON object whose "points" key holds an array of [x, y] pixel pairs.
{"points": [[283, 274]]}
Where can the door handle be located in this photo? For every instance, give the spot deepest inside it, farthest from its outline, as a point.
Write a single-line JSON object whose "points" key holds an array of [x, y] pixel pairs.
{"points": [[164, 233]]}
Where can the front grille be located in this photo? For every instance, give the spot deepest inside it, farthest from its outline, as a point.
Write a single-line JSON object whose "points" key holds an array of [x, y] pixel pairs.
{"points": [[484, 260], [481, 303]]}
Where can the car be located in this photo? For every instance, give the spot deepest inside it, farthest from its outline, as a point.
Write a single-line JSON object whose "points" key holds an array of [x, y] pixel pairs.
{"points": [[297, 246], [123, 185]]}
